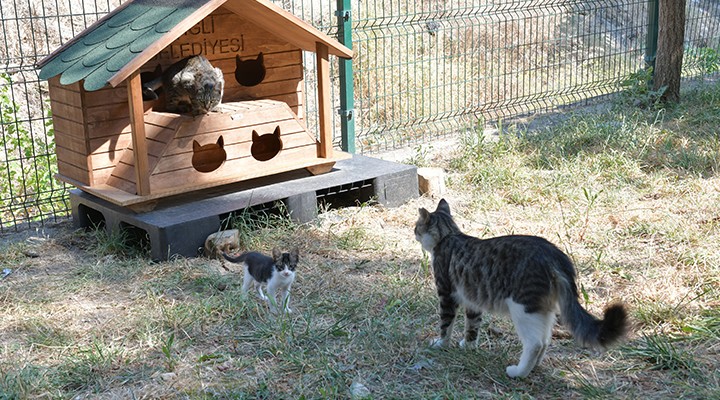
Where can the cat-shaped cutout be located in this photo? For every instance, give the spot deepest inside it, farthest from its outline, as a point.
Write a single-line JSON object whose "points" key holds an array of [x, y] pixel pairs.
{"points": [[208, 157], [264, 147], [249, 72], [191, 85]]}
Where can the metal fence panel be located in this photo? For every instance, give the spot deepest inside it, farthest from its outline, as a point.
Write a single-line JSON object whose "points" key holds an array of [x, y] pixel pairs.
{"points": [[30, 30], [427, 69], [423, 70]]}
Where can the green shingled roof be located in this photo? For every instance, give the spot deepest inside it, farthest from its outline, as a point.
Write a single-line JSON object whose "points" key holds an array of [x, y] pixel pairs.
{"points": [[101, 51]]}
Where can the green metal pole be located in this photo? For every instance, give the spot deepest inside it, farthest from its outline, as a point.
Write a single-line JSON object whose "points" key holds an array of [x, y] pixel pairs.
{"points": [[652, 35], [347, 104]]}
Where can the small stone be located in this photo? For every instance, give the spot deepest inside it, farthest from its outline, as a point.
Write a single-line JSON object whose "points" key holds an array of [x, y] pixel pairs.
{"points": [[168, 376], [359, 391], [431, 181], [223, 241]]}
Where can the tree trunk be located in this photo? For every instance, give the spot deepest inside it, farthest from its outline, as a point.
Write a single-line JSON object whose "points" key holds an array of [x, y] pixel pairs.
{"points": [[671, 35]]}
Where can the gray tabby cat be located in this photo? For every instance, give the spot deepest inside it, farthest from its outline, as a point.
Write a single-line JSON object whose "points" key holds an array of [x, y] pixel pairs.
{"points": [[526, 277], [192, 86]]}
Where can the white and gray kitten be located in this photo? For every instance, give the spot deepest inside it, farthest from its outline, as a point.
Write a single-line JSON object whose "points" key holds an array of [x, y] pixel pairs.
{"points": [[277, 273]]}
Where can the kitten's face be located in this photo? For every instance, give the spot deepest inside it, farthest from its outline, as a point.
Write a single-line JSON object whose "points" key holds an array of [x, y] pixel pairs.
{"points": [[286, 263]]}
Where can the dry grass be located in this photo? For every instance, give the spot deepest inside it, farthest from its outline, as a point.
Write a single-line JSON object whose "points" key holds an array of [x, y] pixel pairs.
{"points": [[631, 195]]}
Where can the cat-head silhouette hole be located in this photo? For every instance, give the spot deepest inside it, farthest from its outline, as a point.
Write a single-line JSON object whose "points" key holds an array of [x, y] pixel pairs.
{"points": [[249, 72], [265, 147], [208, 157]]}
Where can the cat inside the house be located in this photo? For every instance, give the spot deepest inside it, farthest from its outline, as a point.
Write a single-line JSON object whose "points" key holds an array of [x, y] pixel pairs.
{"points": [[277, 273], [191, 85], [525, 277]]}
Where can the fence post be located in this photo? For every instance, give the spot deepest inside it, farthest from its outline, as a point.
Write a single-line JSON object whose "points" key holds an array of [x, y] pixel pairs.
{"points": [[652, 34], [347, 104]]}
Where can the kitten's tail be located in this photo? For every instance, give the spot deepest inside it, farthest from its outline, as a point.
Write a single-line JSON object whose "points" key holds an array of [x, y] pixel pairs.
{"points": [[236, 259], [588, 330]]}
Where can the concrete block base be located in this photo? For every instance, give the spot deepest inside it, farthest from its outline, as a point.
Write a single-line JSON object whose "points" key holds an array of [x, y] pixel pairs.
{"points": [[180, 225]]}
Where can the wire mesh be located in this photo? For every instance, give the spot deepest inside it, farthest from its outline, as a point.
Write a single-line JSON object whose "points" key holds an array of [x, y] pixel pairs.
{"points": [[702, 39], [428, 69], [423, 70], [30, 30]]}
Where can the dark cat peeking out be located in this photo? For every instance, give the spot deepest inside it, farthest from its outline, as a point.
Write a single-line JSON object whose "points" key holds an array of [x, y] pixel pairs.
{"points": [[249, 72], [525, 277]]}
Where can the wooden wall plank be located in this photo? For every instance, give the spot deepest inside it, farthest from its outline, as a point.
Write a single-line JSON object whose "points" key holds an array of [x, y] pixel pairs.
{"points": [[68, 128], [66, 111], [239, 136], [106, 96], [72, 143], [179, 179], [73, 158], [182, 160], [107, 112], [73, 172], [100, 176], [55, 82], [263, 91], [293, 29], [65, 96]]}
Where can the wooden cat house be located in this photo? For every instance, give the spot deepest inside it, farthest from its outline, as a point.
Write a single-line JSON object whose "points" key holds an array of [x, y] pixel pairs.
{"points": [[114, 145]]}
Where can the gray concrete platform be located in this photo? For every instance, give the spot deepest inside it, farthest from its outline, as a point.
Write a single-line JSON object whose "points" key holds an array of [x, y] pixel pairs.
{"points": [[179, 225]]}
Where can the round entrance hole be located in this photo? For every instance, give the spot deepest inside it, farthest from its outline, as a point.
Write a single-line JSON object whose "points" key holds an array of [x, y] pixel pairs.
{"points": [[265, 147], [208, 157], [249, 72]]}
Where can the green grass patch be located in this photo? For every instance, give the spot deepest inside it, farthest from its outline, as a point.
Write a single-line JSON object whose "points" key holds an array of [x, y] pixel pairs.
{"points": [[631, 194]]}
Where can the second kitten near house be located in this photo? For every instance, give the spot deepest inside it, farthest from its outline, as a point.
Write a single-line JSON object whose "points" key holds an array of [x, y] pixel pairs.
{"points": [[277, 273]]}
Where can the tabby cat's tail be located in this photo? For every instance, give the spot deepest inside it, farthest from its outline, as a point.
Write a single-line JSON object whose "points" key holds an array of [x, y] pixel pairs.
{"points": [[588, 330], [237, 259]]}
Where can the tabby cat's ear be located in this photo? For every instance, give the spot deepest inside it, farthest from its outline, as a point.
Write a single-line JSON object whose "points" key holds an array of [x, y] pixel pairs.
{"points": [[443, 206], [424, 214], [276, 253]]}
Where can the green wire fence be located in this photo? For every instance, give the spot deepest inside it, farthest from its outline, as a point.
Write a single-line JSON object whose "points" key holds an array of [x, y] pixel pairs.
{"points": [[423, 70]]}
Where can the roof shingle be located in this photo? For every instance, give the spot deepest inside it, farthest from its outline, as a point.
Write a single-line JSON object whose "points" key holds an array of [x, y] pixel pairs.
{"points": [[104, 52], [112, 43]]}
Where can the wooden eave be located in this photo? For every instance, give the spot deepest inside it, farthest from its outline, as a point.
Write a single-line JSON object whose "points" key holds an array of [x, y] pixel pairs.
{"points": [[264, 14]]}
